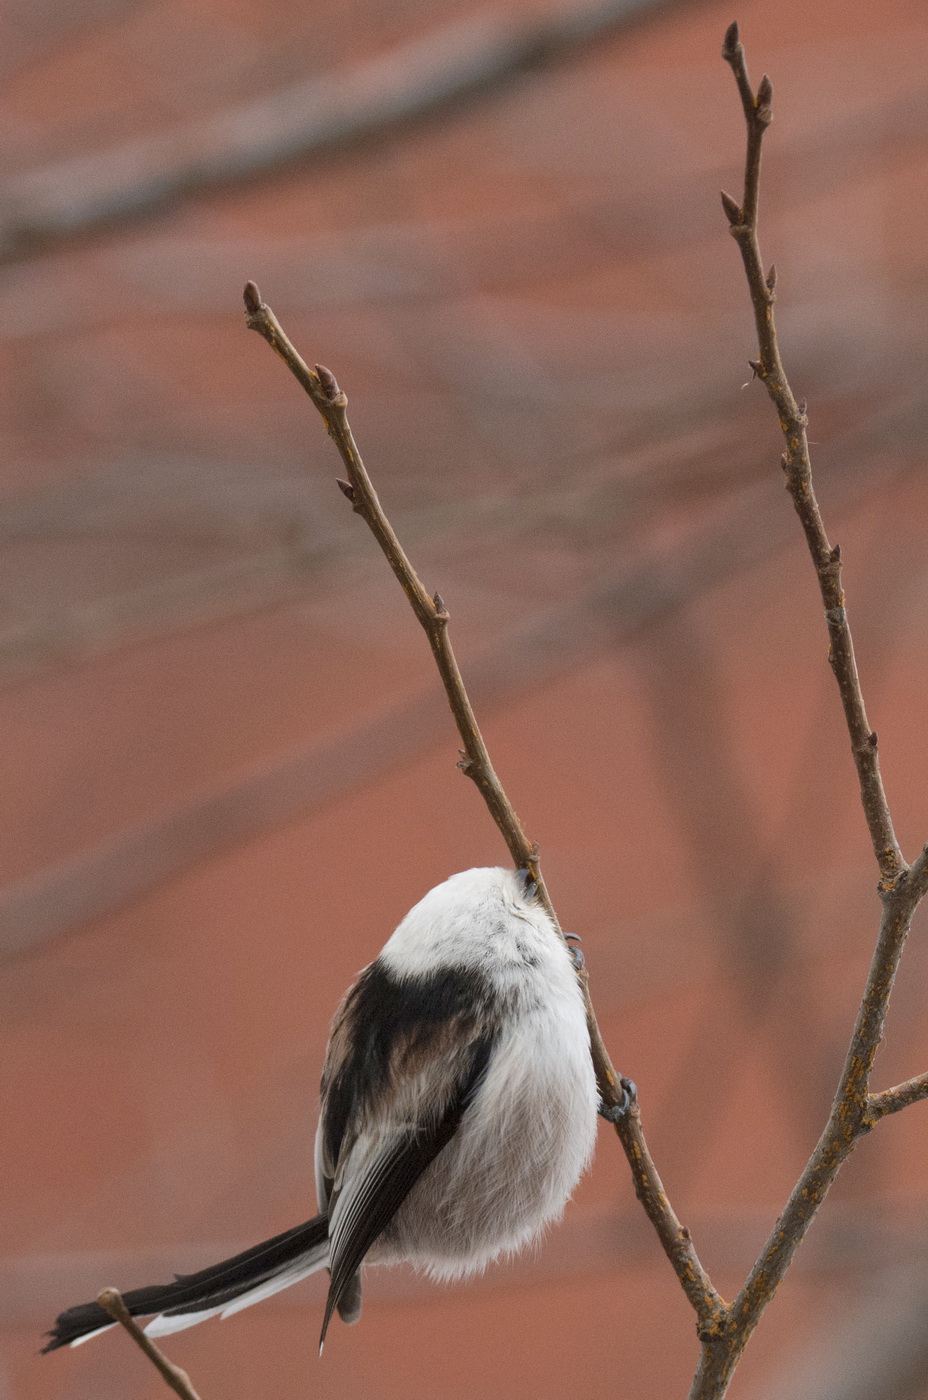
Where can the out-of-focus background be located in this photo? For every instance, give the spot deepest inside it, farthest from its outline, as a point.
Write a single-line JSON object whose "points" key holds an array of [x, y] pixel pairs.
{"points": [[226, 767]]}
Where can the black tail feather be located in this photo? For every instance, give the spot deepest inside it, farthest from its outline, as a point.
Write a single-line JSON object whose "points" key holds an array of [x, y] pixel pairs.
{"points": [[209, 1288]]}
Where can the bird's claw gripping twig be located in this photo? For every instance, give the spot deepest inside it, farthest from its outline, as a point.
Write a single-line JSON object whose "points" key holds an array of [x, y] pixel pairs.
{"points": [[612, 1112]]}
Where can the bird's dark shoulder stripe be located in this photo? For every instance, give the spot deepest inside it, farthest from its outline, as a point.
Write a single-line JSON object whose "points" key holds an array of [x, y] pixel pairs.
{"points": [[386, 1018]]}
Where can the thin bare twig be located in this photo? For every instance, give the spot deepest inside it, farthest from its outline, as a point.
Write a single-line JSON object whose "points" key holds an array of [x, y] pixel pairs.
{"points": [[900, 1096], [797, 466], [724, 1330], [110, 1301], [854, 1111], [322, 388]]}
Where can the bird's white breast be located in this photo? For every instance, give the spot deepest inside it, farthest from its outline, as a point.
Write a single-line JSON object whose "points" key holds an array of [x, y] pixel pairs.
{"points": [[529, 1132]]}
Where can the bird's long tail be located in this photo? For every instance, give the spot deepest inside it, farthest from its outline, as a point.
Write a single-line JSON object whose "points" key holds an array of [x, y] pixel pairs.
{"points": [[224, 1288]]}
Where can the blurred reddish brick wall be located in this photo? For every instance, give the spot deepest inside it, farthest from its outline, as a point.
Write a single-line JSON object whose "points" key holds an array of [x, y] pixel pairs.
{"points": [[227, 771]]}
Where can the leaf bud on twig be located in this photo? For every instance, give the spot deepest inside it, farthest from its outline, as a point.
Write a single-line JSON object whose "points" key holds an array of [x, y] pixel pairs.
{"points": [[731, 41], [732, 209], [763, 102], [328, 382], [252, 298]]}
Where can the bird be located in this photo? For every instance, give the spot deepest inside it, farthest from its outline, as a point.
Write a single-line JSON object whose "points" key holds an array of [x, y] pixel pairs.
{"points": [[458, 1111]]}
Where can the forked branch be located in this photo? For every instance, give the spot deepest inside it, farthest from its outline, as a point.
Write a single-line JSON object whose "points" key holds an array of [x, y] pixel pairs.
{"points": [[724, 1330], [901, 1096], [322, 388], [854, 1111]]}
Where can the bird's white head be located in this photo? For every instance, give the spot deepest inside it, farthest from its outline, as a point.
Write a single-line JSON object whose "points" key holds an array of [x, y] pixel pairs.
{"points": [[474, 919]]}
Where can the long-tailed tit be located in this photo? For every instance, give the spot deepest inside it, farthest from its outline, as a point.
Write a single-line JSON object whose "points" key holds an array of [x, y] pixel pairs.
{"points": [[459, 1110]]}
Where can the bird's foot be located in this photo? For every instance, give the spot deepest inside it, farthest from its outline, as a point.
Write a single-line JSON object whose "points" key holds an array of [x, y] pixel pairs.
{"points": [[576, 954], [614, 1111]]}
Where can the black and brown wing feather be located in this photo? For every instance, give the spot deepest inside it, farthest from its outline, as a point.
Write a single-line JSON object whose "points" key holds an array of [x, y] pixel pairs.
{"points": [[408, 1051], [405, 1051]]}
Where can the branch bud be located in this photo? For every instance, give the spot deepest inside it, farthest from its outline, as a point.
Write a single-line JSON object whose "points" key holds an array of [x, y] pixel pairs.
{"points": [[252, 299], [441, 612], [732, 209], [772, 279], [835, 555], [763, 101], [346, 489], [328, 383], [731, 42], [757, 368], [872, 739]]}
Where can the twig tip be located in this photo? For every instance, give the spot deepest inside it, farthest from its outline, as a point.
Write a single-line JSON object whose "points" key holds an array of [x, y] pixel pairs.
{"points": [[252, 298], [110, 1300], [731, 40]]}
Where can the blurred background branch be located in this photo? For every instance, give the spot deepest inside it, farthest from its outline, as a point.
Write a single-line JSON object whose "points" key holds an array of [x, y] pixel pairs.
{"points": [[470, 55]]}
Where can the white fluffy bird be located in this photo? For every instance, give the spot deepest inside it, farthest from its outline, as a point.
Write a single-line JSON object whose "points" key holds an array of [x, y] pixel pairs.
{"points": [[458, 1112]]}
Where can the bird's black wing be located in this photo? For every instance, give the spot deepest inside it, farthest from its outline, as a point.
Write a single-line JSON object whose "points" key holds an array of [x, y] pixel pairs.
{"points": [[414, 1047], [389, 1180]]}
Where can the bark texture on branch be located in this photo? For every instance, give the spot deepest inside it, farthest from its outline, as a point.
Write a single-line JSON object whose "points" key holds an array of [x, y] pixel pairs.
{"points": [[110, 1301], [724, 1329], [321, 386], [854, 1110]]}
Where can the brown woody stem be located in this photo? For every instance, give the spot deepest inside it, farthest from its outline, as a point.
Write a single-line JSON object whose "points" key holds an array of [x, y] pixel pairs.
{"points": [[321, 386], [854, 1110], [901, 1096], [110, 1301], [798, 468]]}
